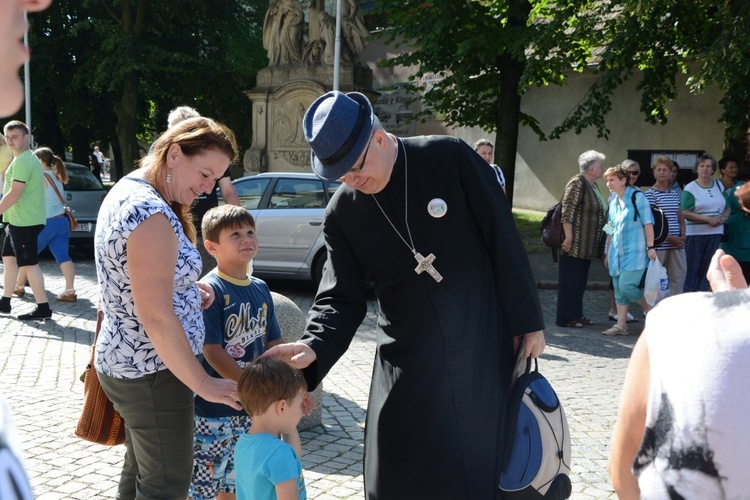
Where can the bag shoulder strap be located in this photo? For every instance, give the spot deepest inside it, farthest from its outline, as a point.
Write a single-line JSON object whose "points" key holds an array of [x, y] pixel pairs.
{"points": [[52, 182], [635, 207]]}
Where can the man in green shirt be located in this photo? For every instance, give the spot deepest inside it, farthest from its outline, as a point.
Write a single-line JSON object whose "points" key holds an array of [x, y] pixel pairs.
{"points": [[23, 211]]}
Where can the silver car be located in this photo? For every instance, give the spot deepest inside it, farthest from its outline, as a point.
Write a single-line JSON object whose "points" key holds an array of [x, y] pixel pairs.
{"points": [[289, 209], [83, 194]]}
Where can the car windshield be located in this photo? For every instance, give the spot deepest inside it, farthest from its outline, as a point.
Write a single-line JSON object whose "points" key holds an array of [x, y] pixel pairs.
{"points": [[80, 178]]}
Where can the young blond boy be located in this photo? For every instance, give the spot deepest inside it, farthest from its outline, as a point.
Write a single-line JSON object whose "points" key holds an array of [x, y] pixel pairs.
{"points": [[273, 393], [240, 326]]}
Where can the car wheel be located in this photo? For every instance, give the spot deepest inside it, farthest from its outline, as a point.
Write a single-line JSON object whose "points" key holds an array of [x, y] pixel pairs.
{"points": [[319, 267]]}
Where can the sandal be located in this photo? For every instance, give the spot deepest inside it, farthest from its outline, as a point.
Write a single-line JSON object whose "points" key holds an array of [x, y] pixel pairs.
{"points": [[585, 321], [68, 295], [616, 330], [573, 324], [19, 291]]}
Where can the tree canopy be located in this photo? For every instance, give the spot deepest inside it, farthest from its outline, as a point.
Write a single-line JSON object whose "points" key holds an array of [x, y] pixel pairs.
{"points": [[490, 52], [659, 39], [110, 70]]}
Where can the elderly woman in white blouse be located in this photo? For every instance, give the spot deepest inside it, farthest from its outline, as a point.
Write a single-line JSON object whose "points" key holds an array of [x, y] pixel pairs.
{"points": [[705, 210]]}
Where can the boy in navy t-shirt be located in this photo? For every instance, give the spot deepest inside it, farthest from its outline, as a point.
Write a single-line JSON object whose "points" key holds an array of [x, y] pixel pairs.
{"points": [[240, 326]]}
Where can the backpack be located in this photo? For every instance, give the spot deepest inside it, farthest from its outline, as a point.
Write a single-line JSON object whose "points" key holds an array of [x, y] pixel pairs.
{"points": [[536, 459], [661, 225], [553, 233]]}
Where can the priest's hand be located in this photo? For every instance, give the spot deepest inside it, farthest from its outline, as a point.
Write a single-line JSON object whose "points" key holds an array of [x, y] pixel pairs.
{"points": [[724, 273], [535, 344], [296, 354]]}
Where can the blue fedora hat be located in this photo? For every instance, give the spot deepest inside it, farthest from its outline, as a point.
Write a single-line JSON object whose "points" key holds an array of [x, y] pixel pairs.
{"points": [[338, 127]]}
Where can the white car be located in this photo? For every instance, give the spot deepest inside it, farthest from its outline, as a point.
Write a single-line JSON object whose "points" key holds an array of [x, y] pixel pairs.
{"points": [[289, 209]]}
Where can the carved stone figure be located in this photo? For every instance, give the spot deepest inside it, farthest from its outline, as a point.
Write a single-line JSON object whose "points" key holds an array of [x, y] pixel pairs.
{"points": [[313, 53], [282, 32], [328, 37], [354, 31]]}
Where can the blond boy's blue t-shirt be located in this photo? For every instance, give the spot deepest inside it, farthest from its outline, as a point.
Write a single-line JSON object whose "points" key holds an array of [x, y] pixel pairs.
{"points": [[262, 461], [242, 320]]}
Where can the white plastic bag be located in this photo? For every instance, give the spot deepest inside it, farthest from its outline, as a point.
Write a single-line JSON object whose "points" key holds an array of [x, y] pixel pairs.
{"points": [[657, 283]]}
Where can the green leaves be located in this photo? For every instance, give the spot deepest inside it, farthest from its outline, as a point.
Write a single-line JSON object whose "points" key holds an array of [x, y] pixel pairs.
{"points": [[491, 52], [478, 41], [203, 54]]}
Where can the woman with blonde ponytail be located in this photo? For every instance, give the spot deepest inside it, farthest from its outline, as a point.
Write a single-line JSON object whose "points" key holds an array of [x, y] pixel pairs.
{"points": [[56, 232]]}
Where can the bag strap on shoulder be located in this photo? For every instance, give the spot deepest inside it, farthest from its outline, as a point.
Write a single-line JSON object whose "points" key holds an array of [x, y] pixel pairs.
{"points": [[54, 186], [635, 207]]}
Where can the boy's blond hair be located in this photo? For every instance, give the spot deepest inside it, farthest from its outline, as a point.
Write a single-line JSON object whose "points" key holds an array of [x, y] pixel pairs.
{"points": [[226, 216], [267, 380]]}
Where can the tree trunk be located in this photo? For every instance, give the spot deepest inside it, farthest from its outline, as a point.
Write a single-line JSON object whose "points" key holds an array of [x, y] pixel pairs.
{"points": [[508, 112], [126, 128], [115, 168], [132, 21], [79, 141]]}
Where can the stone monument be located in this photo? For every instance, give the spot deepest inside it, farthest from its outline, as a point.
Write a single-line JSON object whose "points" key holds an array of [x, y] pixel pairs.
{"points": [[297, 73], [292, 323]]}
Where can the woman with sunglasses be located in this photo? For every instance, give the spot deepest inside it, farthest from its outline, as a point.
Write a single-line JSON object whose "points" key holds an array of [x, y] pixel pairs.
{"points": [[629, 247], [705, 210]]}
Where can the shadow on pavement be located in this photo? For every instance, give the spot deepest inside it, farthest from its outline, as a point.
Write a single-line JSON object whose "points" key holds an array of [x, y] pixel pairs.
{"points": [[58, 333]]}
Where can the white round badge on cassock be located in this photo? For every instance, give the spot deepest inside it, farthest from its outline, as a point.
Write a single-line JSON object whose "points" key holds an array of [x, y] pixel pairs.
{"points": [[437, 207]]}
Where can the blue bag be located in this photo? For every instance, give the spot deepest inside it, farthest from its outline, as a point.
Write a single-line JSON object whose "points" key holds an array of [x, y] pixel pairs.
{"points": [[536, 460]]}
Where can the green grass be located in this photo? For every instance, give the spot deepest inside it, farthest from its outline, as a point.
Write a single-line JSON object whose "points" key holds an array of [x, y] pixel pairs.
{"points": [[528, 224]]}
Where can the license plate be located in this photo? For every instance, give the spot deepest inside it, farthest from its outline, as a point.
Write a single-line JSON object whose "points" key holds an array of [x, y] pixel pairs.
{"points": [[83, 227]]}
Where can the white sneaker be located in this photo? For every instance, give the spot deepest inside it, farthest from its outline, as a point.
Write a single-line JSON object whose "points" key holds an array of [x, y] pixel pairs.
{"points": [[630, 318]]}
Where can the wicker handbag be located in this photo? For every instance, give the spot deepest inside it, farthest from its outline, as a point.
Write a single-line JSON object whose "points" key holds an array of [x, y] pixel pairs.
{"points": [[99, 421], [67, 212]]}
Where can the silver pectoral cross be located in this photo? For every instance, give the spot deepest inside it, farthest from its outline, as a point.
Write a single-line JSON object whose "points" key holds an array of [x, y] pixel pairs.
{"points": [[425, 264]]}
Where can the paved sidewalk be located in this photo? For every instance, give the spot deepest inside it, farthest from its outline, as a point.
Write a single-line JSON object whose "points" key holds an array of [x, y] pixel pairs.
{"points": [[40, 364]]}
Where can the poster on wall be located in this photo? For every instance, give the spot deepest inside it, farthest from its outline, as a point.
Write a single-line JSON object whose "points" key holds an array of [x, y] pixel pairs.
{"points": [[684, 160], [395, 113]]}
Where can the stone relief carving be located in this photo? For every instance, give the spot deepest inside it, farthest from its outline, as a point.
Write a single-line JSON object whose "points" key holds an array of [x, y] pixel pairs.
{"points": [[299, 159], [301, 56], [252, 161], [287, 125]]}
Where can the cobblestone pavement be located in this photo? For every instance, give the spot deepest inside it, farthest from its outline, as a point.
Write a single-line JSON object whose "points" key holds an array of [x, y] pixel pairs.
{"points": [[40, 364]]}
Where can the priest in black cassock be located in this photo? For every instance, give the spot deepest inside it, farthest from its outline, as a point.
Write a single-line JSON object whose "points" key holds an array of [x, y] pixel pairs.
{"points": [[422, 220]]}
